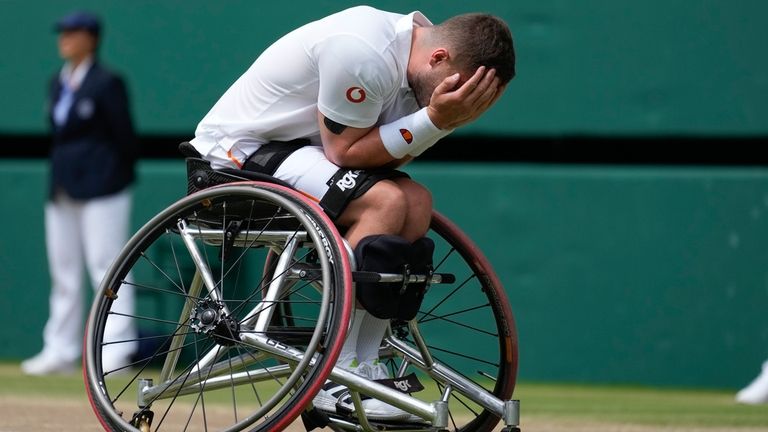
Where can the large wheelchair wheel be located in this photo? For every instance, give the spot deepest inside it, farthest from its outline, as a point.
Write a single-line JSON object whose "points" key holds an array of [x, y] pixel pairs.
{"points": [[468, 326], [215, 348]]}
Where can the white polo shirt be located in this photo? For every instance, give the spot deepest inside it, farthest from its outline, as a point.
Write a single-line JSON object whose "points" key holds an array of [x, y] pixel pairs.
{"points": [[350, 65]]}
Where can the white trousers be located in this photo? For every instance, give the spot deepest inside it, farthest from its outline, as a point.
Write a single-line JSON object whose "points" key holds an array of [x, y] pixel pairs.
{"points": [[88, 233]]}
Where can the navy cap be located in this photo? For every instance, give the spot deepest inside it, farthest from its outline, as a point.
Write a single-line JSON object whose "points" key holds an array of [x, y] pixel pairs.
{"points": [[79, 21]]}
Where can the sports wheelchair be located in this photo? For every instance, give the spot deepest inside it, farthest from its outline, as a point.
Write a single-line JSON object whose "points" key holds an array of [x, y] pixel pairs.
{"points": [[244, 295]]}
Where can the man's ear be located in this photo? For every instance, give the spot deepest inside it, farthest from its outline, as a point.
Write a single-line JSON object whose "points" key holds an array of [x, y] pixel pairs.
{"points": [[439, 55]]}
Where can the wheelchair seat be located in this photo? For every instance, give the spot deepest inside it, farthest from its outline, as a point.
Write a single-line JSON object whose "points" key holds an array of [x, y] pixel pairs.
{"points": [[201, 176]]}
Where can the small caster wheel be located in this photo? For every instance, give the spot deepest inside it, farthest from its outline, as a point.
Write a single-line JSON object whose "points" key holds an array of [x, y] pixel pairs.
{"points": [[143, 420]]}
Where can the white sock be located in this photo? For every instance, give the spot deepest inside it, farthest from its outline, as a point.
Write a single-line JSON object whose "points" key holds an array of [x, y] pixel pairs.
{"points": [[369, 339], [348, 356]]}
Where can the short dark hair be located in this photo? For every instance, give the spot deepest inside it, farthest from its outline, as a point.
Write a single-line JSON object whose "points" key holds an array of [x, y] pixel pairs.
{"points": [[479, 39]]}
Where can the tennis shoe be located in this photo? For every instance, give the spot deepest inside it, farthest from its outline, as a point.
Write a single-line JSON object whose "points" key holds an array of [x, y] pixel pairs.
{"points": [[47, 363], [376, 409], [336, 398], [757, 391]]}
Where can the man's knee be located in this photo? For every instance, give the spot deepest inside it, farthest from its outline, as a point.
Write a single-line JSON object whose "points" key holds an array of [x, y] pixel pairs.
{"points": [[384, 202], [421, 198], [419, 201], [387, 197]]}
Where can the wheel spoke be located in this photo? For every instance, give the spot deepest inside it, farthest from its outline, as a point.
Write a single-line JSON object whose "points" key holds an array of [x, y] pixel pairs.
{"points": [[466, 356], [451, 294], [160, 290], [444, 317]]}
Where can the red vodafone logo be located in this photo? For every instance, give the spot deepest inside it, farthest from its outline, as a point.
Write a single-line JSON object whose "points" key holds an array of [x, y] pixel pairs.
{"points": [[355, 94]]}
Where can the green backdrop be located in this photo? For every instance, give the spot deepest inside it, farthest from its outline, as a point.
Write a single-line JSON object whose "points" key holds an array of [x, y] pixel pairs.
{"points": [[653, 275], [597, 67], [632, 275]]}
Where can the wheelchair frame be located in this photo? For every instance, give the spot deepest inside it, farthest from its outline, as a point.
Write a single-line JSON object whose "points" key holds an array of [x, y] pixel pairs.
{"points": [[212, 372]]}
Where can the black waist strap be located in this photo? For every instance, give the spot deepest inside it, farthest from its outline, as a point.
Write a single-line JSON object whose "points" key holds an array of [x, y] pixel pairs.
{"points": [[269, 156], [348, 184]]}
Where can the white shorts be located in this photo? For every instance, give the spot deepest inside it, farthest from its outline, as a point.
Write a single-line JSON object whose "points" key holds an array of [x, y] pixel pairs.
{"points": [[307, 169]]}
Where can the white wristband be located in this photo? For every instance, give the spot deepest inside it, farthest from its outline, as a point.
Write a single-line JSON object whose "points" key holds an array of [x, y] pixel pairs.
{"points": [[410, 135]]}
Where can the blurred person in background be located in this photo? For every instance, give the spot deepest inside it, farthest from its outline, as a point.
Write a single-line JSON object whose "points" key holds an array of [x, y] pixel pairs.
{"points": [[87, 215], [757, 391]]}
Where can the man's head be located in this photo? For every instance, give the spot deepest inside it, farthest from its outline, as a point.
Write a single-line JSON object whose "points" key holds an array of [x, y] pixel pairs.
{"points": [[78, 35], [460, 44]]}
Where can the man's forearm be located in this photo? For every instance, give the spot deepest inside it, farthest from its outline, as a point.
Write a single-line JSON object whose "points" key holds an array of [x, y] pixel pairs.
{"points": [[356, 148], [368, 152]]}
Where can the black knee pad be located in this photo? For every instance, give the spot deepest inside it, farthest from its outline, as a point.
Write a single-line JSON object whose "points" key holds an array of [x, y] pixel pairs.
{"points": [[381, 254], [420, 262], [391, 254]]}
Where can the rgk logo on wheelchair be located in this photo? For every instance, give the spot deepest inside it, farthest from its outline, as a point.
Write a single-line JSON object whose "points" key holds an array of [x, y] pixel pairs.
{"points": [[348, 182]]}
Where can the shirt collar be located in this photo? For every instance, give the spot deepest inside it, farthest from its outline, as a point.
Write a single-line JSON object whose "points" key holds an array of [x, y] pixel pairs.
{"points": [[404, 35], [73, 77]]}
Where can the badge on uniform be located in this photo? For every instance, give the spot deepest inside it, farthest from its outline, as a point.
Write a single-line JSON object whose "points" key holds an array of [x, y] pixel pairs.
{"points": [[85, 108]]}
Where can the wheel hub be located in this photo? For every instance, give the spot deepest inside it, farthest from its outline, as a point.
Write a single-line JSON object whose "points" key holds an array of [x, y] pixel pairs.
{"points": [[208, 318]]}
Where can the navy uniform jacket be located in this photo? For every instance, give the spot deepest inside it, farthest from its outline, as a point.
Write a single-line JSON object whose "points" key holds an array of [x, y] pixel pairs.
{"points": [[94, 152]]}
